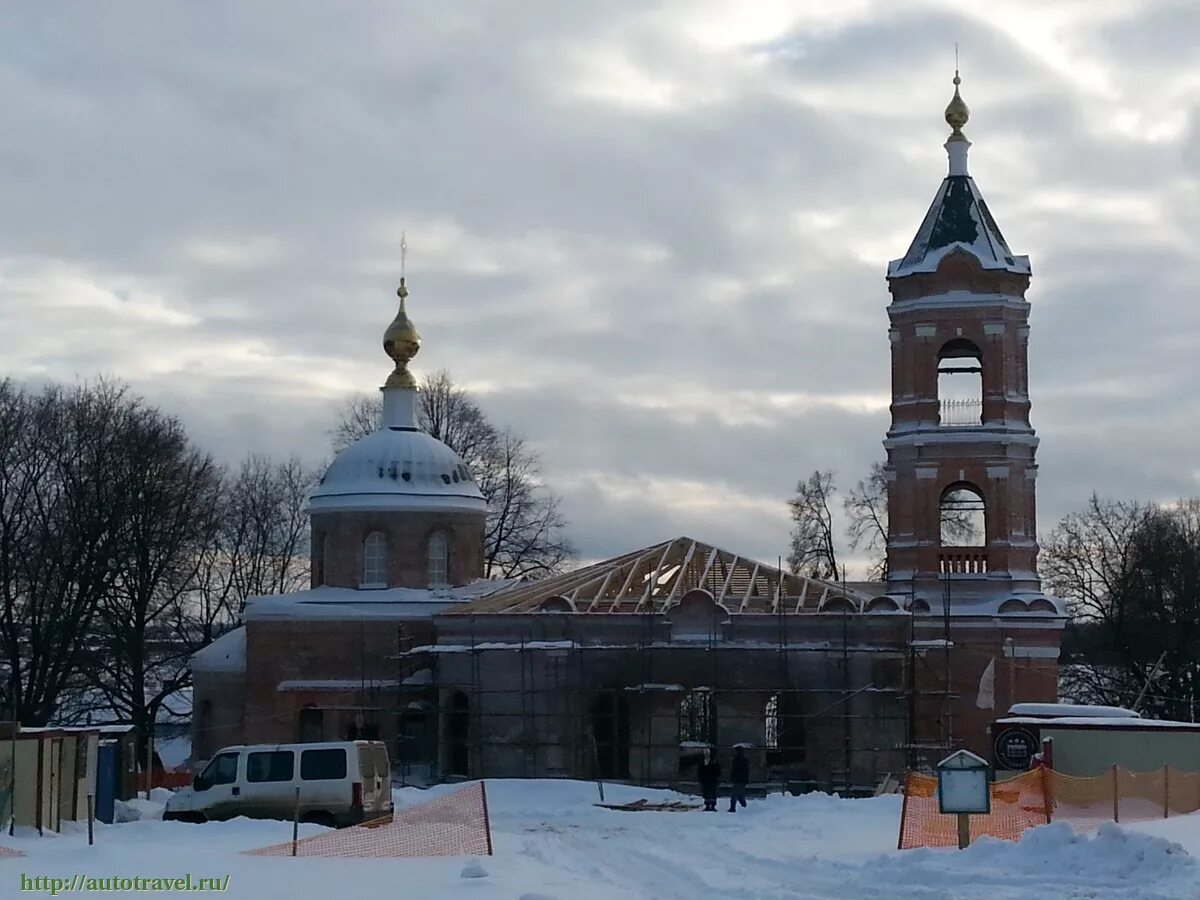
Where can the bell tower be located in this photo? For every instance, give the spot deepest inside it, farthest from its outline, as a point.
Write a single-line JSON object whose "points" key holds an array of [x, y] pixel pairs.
{"points": [[960, 450]]}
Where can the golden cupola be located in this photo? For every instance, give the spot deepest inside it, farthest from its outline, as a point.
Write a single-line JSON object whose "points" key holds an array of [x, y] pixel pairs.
{"points": [[957, 112], [401, 341], [398, 467]]}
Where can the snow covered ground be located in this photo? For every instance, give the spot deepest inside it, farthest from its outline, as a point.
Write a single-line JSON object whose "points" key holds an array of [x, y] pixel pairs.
{"points": [[551, 842]]}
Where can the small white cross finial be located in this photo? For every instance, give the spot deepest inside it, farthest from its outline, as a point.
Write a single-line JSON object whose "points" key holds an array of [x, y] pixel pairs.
{"points": [[403, 251]]}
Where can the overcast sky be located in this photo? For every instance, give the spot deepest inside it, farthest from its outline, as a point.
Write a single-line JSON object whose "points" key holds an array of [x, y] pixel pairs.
{"points": [[651, 237]]}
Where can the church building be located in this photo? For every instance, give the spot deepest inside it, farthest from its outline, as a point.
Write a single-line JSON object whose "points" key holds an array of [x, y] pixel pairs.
{"points": [[627, 668]]}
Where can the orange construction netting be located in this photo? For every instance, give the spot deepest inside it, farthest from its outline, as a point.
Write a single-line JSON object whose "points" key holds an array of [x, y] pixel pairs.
{"points": [[453, 825], [1043, 795], [1017, 804]]}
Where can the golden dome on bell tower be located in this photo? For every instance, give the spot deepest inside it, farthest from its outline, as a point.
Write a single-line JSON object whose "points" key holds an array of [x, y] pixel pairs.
{"points": [[957, 112]]}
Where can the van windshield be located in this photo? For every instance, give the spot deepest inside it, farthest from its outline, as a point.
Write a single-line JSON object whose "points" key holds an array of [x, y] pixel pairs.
{"points": [[222, 770]]}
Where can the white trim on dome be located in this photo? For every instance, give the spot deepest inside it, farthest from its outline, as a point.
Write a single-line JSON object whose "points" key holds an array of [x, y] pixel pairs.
{"points": [[351, 502]]}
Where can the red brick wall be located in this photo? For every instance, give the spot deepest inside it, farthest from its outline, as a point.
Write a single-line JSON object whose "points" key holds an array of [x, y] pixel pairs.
{"points": [[1018, 679], [285, 650], [341, 536]]}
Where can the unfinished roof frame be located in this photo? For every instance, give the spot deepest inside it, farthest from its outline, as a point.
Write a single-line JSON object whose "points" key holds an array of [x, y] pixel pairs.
{"points": [[655, 579]]}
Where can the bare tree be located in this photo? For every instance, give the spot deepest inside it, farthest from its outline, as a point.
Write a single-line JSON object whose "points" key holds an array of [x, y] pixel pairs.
{"points": [[64, 496], [358, 417], [525, 532], [866, 508], [172, 490], [1130, 573], [260, 544], [813, 550]]}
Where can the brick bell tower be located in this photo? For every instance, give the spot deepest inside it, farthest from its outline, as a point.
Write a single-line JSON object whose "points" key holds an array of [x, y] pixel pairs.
{"points": [[960, 450]]}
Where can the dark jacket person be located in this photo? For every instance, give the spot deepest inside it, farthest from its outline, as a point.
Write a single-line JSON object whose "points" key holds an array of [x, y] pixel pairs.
{"points": [[710, 776], [739, 775]]}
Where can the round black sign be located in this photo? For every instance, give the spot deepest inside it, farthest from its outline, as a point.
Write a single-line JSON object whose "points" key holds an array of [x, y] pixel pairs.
{"points": [[1014, 748]]}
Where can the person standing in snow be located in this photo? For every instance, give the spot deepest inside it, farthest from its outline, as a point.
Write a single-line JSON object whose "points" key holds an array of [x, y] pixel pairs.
{"points": [[710, 776], [739, 776]]}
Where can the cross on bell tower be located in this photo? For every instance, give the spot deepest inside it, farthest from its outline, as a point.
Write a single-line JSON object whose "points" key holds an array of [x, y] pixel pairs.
{"points": [[960, 466]]}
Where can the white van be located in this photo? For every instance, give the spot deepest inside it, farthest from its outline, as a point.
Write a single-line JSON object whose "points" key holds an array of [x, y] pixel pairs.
{"points": [[340, 783]]}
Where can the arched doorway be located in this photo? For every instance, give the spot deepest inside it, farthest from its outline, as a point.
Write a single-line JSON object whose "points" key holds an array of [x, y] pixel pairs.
{"points": [[610, 735], [458, 735]]}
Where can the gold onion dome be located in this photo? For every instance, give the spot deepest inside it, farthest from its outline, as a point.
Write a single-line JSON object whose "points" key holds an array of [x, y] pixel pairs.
{"points": [[401, 342], [957, 112]]}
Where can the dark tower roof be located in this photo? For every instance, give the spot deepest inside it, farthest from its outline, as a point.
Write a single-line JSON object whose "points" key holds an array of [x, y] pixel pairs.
{"points": [[958, 218]]}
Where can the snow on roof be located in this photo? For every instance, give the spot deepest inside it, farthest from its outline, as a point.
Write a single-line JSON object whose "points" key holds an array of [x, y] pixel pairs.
{"points": [[1097, 722], [337, 684], [384, 603], [119, 728], [493, 645], [652, 686], [958, 219], [397, 468], [419, 678], [1063, 710], [226, 654]]}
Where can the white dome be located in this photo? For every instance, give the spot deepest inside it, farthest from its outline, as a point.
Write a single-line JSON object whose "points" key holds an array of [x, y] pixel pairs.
{"points": [[397, 468]]}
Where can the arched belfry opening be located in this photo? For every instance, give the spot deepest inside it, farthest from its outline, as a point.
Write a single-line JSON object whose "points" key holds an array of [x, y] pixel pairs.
{"points": [[962, 516], [960, 384]]}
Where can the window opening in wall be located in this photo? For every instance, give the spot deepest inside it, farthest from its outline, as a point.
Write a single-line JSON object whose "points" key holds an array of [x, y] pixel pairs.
{"points": [[458, 732], [610, 735], [963, 517], [783, 730], [375, 561], [320, 563], [960, 384], [439, 559], [698, 717]]}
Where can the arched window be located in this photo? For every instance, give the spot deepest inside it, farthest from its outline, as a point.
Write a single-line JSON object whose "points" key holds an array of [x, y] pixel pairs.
{"points": [[963, 516], [698, 717], [375, 560], [439, 559], [960, 384]]}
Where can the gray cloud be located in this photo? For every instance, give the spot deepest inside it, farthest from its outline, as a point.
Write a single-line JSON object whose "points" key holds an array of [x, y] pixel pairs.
{"points": [[653, 240]]}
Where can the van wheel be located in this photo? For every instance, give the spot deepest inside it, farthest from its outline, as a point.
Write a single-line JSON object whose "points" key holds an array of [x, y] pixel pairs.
{"points": [[319, 818], [192, 818]]}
